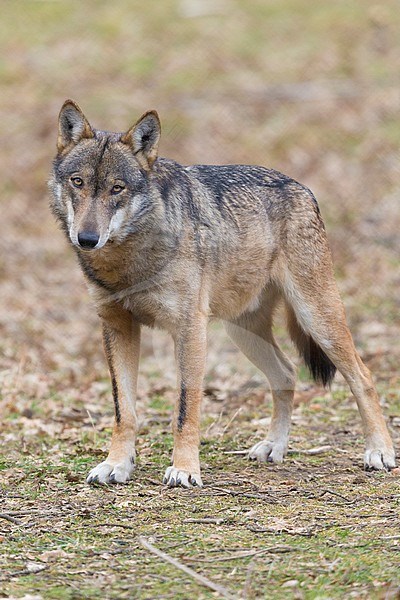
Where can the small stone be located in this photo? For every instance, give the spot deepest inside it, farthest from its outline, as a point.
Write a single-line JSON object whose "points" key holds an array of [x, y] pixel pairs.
{"points": [[34, 567], [290, 583]]}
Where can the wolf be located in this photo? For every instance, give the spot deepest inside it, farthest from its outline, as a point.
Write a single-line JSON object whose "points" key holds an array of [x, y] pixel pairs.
{"points": [[171, 246]]}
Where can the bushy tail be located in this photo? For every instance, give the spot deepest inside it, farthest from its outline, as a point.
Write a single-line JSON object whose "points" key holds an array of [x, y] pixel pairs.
{"points": [[320, 366]]}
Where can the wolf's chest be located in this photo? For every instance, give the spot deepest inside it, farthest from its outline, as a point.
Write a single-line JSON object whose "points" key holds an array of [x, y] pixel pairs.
{"points": [[155, 307]]}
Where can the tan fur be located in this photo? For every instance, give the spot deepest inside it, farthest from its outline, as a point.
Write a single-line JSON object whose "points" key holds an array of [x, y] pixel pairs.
{"points": [[180, 245]]}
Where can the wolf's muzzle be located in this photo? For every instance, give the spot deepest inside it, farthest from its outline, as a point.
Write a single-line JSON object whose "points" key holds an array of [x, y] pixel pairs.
{"points": [[88, 240]]}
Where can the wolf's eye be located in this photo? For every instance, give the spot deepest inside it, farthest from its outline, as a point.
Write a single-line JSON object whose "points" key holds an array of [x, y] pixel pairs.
{"points": [[77, 181], [117, 189]]}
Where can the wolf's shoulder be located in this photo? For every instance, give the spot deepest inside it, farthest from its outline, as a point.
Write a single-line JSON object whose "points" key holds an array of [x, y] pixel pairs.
{"points": [[272, 187]]}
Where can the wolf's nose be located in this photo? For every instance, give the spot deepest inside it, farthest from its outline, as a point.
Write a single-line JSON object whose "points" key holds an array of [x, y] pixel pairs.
{"points": [[88, 239]]}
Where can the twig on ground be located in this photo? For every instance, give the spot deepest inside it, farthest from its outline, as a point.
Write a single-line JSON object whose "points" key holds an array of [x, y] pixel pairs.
{"points": [[305, 533], [310, 451], [247, 554], [200, 578], [239, 410], [22, 513], [22, 573], [336, 494], [94, 430], [11, 519], [3, 494], [207, 520], [110, 552], [228, 492], [153, 481], [109, 525], [215, 422]]}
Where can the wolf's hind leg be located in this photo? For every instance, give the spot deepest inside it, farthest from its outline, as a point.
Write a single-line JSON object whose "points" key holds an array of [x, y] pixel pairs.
{"points": [[253, 335], [121, 337], [317, 312]]}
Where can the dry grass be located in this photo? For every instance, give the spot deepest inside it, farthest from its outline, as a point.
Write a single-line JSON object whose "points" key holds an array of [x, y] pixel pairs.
{"points": [[310, 89]]}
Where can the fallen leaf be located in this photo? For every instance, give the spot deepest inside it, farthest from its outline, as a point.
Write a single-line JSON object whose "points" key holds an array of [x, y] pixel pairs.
{"points": [[52, 555]]}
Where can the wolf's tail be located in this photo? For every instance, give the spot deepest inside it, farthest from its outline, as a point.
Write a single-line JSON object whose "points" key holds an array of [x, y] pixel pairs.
{"points": [[319, 364]]}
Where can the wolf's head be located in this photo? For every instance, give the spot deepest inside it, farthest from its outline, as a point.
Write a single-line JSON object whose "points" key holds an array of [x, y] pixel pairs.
{"points": [[100, 179]]}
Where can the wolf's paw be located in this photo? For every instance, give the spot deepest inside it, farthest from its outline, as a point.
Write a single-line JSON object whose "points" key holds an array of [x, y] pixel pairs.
{"points": [[174, 478], [107, 472], [379, 459], [267, 451]]}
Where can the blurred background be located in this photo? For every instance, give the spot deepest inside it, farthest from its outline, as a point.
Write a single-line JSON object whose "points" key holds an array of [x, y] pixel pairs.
{"points": [[307, 88]]}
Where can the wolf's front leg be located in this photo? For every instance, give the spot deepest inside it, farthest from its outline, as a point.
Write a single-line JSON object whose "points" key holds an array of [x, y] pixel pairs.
{"points": [[190, 351], [121, 338]]}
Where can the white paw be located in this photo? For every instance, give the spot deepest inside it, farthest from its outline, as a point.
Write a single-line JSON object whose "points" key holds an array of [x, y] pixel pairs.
{"points": [[174, 477], [107, 472], [376, 459], [267, 451]]}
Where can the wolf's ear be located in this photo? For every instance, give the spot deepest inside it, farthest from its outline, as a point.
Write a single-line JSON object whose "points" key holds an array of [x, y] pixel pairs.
{"points": [[72, 125], [143, 138]]}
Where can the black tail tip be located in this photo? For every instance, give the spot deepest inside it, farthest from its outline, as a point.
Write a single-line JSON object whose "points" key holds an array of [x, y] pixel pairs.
{"points": [[319, 364]]}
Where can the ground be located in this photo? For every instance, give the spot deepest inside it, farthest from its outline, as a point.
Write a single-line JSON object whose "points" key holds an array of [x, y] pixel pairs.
{"points": [[309, 89]]}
